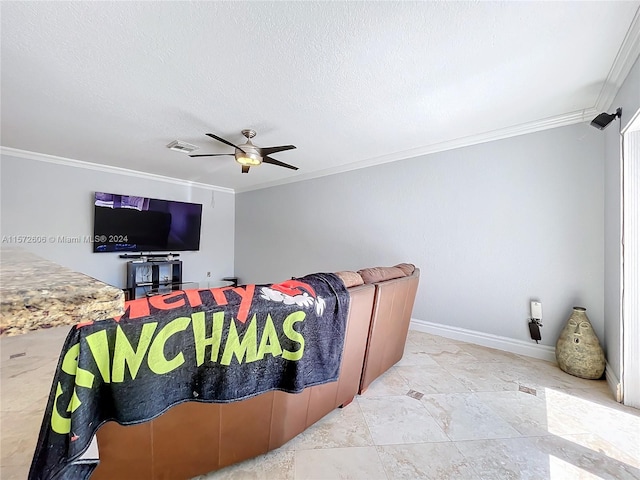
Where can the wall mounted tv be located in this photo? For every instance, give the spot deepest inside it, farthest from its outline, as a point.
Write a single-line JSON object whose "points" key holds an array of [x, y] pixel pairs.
{"points": [[126, 223]]}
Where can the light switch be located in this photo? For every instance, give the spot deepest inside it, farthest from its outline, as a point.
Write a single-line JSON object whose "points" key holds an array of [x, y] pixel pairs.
{"points": [[536, 310]]}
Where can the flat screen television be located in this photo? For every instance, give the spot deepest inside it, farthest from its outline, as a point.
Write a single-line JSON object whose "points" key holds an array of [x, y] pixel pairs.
{"points": [[126, 223]]}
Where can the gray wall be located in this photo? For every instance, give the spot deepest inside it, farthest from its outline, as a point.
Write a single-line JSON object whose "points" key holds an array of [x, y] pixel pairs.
{"points": [[492, 226], [41, 198], [628, 98]]}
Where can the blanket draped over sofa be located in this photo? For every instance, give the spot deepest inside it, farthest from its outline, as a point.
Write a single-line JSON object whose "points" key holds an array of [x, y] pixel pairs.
{"points": [[211, 345]]}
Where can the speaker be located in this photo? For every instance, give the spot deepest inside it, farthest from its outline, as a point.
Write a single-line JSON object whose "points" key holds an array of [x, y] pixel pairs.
{"points": [[604, 119]]}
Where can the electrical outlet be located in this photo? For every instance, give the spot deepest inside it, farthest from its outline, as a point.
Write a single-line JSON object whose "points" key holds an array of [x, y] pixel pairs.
{"points": [[534, 330]]}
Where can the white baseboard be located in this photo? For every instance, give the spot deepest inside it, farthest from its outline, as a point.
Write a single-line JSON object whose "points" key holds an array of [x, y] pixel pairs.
{"points": [[614, 383], [512, 345]]}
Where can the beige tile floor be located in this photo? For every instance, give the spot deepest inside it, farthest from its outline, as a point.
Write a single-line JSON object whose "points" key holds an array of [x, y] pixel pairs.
{"points": [[447, 410]]}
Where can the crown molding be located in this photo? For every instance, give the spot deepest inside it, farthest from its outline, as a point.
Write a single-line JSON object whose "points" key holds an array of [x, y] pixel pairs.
{"points": [[623, 63], [513, 131], [522, 129], [43, 157]]}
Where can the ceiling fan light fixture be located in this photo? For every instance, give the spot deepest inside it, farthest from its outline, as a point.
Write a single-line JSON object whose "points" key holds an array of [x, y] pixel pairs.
{"points": [[248, 159]]}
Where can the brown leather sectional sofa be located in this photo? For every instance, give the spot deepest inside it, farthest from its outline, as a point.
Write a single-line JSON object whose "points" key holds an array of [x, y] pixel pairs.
{"points": [[195, 438]]}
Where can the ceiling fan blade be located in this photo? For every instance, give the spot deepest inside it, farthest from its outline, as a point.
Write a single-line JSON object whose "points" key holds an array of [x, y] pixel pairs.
{"points": [[273, 161], [226, 142], [245, 168], [212, 155], [269, 150]]}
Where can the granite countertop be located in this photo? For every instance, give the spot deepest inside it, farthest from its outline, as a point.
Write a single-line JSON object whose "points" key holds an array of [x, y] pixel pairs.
{"points": [[36, 293]]}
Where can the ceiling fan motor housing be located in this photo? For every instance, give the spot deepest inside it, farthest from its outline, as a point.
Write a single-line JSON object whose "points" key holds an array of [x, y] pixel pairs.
{"points": [[251, 155]]}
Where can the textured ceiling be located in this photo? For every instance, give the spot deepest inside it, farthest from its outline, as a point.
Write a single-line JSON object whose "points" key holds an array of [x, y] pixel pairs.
{"points": [[348, 83]]}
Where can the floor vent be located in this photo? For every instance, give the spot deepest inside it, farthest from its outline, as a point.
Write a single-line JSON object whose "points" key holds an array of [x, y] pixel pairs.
{"points": [[529, 390], [414, 394]]}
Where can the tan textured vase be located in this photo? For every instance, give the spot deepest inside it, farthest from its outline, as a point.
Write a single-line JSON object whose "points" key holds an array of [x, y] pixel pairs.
{"points": [[578, 350]]}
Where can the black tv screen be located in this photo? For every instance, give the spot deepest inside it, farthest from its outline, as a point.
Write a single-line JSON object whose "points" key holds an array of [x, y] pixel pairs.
{"points": [[126, 223]]}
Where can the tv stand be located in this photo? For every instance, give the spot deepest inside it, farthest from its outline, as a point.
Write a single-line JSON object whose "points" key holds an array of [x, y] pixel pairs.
{"points": [[151, 277]]}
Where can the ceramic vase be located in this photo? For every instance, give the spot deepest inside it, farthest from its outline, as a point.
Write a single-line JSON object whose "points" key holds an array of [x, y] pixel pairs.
{"points": [[578, 350]]}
